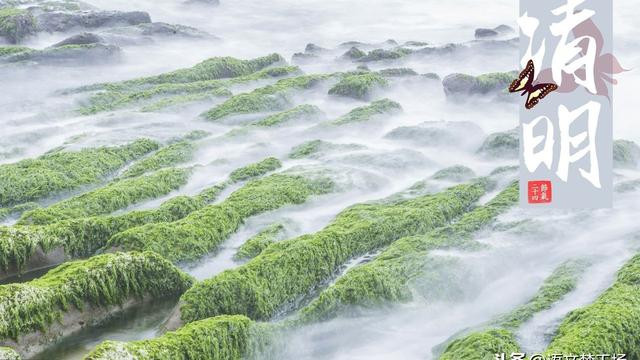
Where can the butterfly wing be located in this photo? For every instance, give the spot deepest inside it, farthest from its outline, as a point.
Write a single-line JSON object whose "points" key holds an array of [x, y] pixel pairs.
{"points": [[537, 93], [524, 80]]}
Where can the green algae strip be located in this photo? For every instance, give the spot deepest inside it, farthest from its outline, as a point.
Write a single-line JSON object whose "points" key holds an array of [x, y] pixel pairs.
{"points": [[103, 280], [610, 325], [368, 112], [210, 69], [83, 236], [203, 230], [7, 353], [387, 278], [116, 195], [174, 94], [256, 244], [49, 174], [301, 112], [500, 337], [217, 338], [173, 154], [292, 268], [268, 98], [358, 86]]}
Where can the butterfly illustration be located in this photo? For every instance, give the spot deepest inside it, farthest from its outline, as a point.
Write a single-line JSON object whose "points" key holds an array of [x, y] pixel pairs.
{"points": [[524, 83]]}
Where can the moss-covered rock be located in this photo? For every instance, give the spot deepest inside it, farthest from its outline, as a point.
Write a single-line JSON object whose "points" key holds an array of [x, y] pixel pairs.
{"points": [[302, 112], [626, 154], [21, 246], [103, 280], [116, 195], [67, 54], [358, 86], [49, 174], [439, 133], [16, 24], [7, 353], [384, 107], [397, 72], [501, 145], [317, 148], [173, 154], [460, 86], [254, 246], [11, 50], [159, 96], [268, 98], [499, 337], [217, 338], [482, 346], [254, 170], [385, 55], [354, 53], [388, 277], [610, 325], [289, 269], [203, 230], [456, 173]]}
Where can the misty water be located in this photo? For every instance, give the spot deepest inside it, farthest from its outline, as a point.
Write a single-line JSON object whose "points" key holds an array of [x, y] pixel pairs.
{"points": [[37, 116]]}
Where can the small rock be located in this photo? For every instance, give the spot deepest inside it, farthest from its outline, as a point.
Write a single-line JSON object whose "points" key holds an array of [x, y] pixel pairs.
{"points": [[80, 39]]}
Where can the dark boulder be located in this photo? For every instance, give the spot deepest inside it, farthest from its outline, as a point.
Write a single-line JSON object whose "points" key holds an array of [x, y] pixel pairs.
{"points": [[80, 39], [64, 21]]}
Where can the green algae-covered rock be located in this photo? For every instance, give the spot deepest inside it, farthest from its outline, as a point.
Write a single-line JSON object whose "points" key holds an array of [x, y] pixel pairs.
{"points": [[289, 269], [116, 195], [626, 154], [16, 24], [33, 179], [103, 280], [379, 108], [501, 145], [256, 244], [216, 338], [358, 86]]}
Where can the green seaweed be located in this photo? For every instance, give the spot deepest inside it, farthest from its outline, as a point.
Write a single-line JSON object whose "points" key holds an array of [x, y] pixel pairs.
{"points": [[482, 346], [382, 54], [34, 179], [175, 93], [103, 280], [203, 230], [10, 50], [501, 145], [7, 353], [398, 72], [388, 277], [84, 236], [499, 336], [358, 86], [15, 23], [264, 99], [116, 195], [253, 170], [455, 173], [610, 325], [291, 268], [303, 112], [254, 246], [368, 112], [217, 338], [170, 155]]}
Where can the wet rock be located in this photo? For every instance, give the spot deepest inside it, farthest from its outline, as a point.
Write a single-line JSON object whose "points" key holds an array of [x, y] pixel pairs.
{"points": [[16, 24], [80, 39], [501, 30], [11, 50], [459, 86], [439, 133], [64, 21], [67, 55], [353, 53], [314, 49], [382, 54], [145, 33], [301, 58], [431, 76], [502, 145], [397, 72], [626, 154]]}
